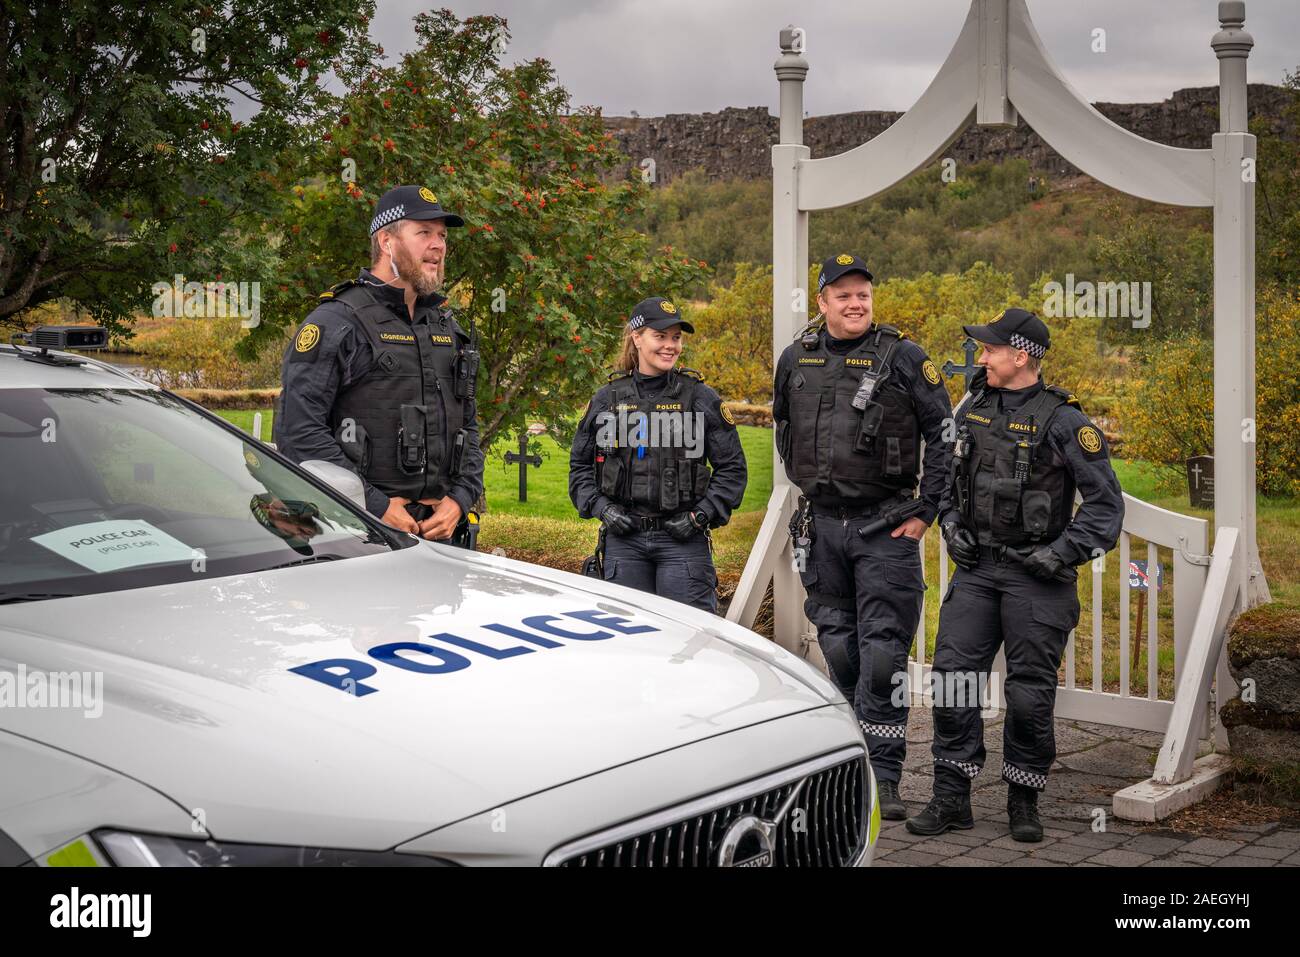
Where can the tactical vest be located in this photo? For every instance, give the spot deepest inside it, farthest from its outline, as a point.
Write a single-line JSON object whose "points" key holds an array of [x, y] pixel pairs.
{"points": [[658, 478], [403, 423], [836, 449], [1007, 483]]}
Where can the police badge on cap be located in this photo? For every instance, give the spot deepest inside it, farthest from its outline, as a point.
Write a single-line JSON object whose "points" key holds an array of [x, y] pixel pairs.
{"points": [[657, 313], [410, 202]]}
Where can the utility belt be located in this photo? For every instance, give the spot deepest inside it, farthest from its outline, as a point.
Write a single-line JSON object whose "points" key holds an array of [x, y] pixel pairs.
{"points": [[863, 510], [464, 535]]}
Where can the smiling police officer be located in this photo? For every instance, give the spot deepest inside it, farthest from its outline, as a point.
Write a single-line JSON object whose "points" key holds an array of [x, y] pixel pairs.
{"points": [[380, 378], [852, 402], [640, 463], [1022, 449]]}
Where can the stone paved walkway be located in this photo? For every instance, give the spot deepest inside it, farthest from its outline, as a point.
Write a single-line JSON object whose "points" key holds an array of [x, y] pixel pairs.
{"points": [[1093, 762]]}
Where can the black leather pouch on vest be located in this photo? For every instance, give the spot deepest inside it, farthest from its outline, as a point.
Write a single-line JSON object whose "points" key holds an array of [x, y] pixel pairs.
{"points": [[412, 452], [458, 451], [611, 476], [669, 493], [1036, 512], [702, 475], [355, 443], [1006, 500], [869, 428], [893, 456]]}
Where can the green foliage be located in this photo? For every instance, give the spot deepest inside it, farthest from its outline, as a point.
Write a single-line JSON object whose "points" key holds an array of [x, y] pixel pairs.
{"points": [[120, 161], [1168, 406], [733, 340], [548, 266]]}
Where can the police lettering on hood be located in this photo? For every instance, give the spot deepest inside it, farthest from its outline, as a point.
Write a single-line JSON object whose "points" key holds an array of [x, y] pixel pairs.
{"points": [[380, 378], [860, 412]]}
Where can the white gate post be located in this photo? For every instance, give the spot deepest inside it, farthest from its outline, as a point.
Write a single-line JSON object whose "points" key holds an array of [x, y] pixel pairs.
{"points": [[1233, 150], [789, 275]]}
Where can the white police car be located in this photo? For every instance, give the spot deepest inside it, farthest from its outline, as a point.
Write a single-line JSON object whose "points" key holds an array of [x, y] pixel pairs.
{"points": [[209, 657]]}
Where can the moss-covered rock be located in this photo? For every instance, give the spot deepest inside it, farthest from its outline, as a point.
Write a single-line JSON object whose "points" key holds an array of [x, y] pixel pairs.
{"points": [[1269, 631]]}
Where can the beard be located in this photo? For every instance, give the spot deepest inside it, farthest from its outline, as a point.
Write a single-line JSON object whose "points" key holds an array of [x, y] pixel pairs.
{"points": [[413, 272]]}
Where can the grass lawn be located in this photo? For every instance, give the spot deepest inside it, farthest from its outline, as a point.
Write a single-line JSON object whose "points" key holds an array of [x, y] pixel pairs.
{"points": [[546, 530]]}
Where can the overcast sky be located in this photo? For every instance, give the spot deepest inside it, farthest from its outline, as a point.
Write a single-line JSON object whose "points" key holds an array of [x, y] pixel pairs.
{"points": [[693, 56]]}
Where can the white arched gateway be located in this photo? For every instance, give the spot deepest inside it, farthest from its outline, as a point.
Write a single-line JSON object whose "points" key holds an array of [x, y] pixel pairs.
{"points": [[998, 70]]}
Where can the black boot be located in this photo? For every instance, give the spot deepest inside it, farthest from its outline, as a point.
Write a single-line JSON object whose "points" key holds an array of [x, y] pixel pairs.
{"points": [[892, 807], [1022, 810], [945, 812]]}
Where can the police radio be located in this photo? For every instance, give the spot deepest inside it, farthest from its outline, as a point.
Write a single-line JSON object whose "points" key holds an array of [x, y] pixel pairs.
{"points": [[1023, 450], [467, 367]]}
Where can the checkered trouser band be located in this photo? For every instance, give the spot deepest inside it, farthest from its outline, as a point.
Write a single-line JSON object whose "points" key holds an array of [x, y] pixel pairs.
{"points": [[1030, 779], [1033, 348], [965, 767], [884, 730], [386, 217]]}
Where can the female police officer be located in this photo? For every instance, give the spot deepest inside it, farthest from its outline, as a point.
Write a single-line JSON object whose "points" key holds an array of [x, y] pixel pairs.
{"points": [[639, 463]]}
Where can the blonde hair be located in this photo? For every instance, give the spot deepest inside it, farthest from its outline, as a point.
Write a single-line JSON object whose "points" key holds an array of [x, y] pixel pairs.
{"points": [[627, 355]]}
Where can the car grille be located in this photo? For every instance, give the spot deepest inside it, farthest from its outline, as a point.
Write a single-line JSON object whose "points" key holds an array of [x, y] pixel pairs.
{"points": [[825, 826]]}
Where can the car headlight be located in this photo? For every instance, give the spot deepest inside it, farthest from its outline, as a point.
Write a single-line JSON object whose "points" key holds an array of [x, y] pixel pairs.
{"points": [[127, 849]]}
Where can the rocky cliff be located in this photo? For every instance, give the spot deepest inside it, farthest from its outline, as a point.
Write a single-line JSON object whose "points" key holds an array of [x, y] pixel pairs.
{"points": [[734, 144]]}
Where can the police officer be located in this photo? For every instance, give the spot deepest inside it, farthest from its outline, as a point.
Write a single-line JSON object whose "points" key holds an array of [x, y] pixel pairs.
{"points": [[380, 378], [1022, 449], [852, 402], [639, 463]]}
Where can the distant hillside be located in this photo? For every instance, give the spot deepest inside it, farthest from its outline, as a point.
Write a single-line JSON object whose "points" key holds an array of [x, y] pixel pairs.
{"points": [[735, 143]]}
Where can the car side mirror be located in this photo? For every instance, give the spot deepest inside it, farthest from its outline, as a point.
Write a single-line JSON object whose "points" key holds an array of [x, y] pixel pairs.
{"points": [[344, 481]]}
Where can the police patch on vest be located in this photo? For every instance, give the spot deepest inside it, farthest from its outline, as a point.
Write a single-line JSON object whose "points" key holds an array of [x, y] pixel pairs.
{"points": [[668, 406], [973, 417], [930, 372], [308, 336], [1090, 439], [396, 337], [441, 340], [858, 361], [726, 415], [812, 360]]}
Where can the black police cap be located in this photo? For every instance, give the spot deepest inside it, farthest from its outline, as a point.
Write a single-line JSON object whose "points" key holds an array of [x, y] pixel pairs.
{"points": [[410, 202], [657, 313], [1015, 327], [841, 265]]}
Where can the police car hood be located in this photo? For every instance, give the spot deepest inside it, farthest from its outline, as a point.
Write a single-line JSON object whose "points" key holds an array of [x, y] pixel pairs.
{"points": [[199, 700]]}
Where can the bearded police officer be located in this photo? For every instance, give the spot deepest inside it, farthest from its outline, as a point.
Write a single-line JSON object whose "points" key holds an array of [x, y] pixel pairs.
{"points": [[1022, 449], [852, 403], [641, 463], [380, 378]]}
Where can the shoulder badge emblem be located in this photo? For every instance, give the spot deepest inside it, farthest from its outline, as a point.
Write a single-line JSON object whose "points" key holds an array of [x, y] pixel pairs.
{"points": [[1090, 439], [930, 372], [308, 336], [726, 415]]}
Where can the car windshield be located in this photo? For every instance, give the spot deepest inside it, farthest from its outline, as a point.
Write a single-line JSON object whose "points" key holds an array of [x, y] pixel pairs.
{"points": [[107, 489]]}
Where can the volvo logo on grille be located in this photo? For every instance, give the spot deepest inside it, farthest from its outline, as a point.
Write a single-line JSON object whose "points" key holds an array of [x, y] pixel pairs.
{"points": [[750, 841]]}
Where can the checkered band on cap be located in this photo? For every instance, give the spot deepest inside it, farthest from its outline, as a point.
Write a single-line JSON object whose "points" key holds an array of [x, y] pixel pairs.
{"points": [[1033, 348], [966, 767], [386, 217], [636, 322], [1030, 779], [884, 730]]}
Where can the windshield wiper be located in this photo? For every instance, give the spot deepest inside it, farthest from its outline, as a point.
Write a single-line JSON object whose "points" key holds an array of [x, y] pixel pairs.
{"points": [[304, 561], [13, 598]]}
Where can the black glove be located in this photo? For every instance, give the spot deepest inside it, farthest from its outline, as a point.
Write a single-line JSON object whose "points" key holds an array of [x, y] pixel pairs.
{"points": [[685, 525], [963, 547], [618, 521], [1044, 563]]}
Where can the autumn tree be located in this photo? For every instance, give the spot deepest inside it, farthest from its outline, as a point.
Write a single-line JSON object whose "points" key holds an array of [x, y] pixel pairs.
{"points": [[548, 265], [121, 161]]}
